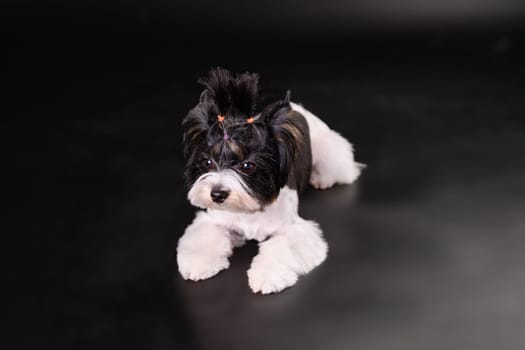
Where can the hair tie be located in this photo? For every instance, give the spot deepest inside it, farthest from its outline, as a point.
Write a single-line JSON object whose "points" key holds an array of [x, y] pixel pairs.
{"points": [[250, 120], [220, 119]]}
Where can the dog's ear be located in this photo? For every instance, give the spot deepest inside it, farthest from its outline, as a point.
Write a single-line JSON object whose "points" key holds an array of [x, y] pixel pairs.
{"points": [[289, 132], [195, 128]]}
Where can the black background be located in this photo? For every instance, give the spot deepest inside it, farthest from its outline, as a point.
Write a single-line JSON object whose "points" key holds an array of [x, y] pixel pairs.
{"points": [[426, 248]]}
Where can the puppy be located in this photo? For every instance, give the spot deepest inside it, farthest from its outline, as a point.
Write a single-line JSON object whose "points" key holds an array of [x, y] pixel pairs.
{"points": [[245, 170]]}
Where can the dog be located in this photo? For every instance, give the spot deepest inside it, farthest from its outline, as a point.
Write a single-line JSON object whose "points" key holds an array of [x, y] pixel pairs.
{"points": [[245, 169]]}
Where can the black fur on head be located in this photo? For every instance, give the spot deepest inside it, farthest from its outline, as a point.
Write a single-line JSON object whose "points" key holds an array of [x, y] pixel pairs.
{"points": [[276, 145], [232, 95]]}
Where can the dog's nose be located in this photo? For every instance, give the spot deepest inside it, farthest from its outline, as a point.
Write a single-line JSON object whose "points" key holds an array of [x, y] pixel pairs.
{"points": [[219, 195]]}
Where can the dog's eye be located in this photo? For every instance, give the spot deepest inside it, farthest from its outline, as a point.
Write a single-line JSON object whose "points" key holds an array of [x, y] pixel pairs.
{"points": [[207, 163], [248, 168]]}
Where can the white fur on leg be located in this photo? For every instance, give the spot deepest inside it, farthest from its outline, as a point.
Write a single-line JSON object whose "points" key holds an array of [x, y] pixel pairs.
{"points": [[285, 256], [332, 155], [332, 161], [204, 249]]}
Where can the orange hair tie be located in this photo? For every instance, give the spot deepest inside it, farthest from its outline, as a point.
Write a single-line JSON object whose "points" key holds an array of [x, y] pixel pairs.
{"points": [[220, 118], [249, 120]]}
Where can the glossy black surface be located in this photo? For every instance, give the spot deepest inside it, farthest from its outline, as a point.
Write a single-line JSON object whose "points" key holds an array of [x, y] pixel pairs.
{"points": [[427, 249]]}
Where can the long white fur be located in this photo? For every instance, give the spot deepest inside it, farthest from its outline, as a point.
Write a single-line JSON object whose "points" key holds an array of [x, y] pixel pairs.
{"points": [[289, 245]]}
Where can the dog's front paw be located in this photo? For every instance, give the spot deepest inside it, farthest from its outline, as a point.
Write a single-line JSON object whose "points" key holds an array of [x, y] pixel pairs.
{"points": [[270, 278], [196, 267]]}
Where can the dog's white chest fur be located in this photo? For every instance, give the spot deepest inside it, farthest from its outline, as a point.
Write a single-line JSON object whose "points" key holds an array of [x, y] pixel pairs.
{"points": [[289, 245], [261, 224]]}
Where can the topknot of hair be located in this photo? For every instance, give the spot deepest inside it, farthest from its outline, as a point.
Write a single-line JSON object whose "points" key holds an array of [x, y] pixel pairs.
{"points": [[234, 95]]}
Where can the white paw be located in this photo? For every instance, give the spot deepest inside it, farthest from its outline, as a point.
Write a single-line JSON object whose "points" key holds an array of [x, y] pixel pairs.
{"points": [[320, 182], [270, 278], [323, 181], [196, 267]]}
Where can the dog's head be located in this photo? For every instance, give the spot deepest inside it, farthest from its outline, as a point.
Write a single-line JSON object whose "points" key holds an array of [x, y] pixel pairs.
{"points": [[236, 160]]}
